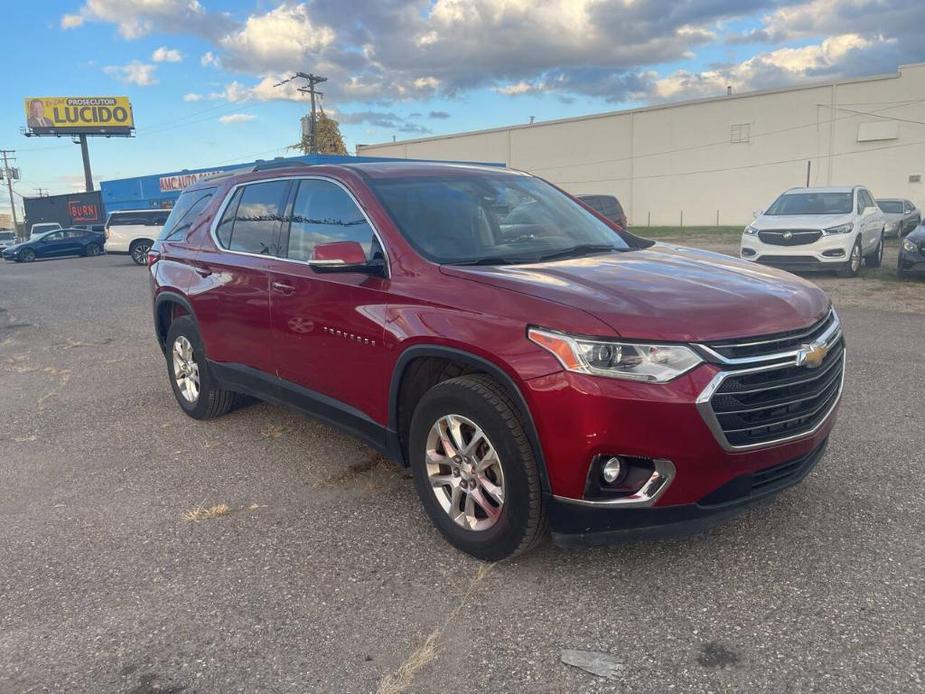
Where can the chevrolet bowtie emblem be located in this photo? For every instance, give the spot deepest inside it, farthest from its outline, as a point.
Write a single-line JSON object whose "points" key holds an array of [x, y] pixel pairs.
{"points": [[812, 355]]}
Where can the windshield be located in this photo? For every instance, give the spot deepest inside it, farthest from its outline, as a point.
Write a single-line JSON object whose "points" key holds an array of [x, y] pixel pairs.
{"points": [[811, 203], [7, 236], [492, 219], [41, 234], [890, 206]]}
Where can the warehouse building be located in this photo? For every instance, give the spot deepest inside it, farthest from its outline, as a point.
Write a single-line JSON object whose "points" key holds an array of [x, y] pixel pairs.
{"points": [[717, 160]]}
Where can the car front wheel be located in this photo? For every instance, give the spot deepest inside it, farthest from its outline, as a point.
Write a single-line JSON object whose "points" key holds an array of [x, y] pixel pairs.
{"points": [[875, 258], [139, 252], [475, 470], [194, 387], [853, 266], [26, 255]]}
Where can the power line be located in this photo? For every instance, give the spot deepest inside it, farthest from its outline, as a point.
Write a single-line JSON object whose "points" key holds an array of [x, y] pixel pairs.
{"points": [[742, 167], [705, 145], [313, 93]]}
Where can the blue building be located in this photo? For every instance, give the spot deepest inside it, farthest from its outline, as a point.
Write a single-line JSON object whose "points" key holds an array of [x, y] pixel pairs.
{"points": [[162, 190]]}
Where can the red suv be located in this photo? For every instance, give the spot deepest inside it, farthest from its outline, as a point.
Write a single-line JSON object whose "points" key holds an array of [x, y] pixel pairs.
{"points": [[532, 362]]}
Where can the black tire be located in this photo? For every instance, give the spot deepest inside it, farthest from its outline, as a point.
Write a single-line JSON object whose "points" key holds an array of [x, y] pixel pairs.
{"points": [[900, 272], [138, 250], [521, 524], [26, 255], [212, 400], [92, 250], [852, 268], [875, 258]]}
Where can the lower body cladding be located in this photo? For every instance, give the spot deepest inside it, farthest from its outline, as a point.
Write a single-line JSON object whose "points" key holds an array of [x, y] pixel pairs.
{"points": [[680, 473]]}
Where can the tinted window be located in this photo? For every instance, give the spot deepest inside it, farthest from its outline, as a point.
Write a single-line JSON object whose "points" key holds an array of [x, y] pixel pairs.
{"points": [[257, 217], [811, 203], [54, 236], [890, 206], [7, 235], [492, 218], [223, 231], [185, 212], [324, 213]]}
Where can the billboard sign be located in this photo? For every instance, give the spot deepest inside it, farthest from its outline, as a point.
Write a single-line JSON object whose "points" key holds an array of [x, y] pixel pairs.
{"points": [[70, 115], [83, 210], [177, 182]]}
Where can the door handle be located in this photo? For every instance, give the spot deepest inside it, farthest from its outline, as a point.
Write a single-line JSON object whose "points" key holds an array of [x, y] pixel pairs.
{"points": [[202, 272], [281, 288]]}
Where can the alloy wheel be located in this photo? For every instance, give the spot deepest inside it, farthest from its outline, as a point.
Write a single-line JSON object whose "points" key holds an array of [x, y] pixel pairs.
{"points": [[465, 472], [140, 252], [185, 369], [856, 258]]}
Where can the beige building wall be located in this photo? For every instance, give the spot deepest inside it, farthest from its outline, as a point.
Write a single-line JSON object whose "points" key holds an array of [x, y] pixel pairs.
{"points": [[717, 159]]}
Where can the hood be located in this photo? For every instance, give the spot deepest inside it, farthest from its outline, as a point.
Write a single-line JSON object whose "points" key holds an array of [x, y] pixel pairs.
{"points": [[16, 245], [801, 221], [893, 216], [917, 234], [666, 293]]}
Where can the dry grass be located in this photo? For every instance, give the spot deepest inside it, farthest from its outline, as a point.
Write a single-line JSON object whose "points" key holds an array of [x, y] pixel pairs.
{"points": [[201, 513], [401, 680]]}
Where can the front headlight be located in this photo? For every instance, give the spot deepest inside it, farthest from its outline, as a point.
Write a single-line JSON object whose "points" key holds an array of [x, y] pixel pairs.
{"points": [[840, 229], [908, 246], [750, 230], [654, 363]]}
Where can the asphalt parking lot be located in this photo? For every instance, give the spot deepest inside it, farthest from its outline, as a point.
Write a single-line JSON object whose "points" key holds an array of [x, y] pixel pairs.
{"points": [[324, 574]]}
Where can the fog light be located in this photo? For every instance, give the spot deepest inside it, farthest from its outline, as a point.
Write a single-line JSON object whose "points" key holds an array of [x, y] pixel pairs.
{"points": [[834, 253], [748, 252], [611, 470]]}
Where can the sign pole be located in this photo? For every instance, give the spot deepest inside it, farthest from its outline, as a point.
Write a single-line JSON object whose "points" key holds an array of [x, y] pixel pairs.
{"points": [[9, 184], [84, 150]]}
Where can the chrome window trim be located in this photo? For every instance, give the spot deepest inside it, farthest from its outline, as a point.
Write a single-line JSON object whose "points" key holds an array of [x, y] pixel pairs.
{"points": [[648, 493], [213, 228], [709, 417], [830, 337]]}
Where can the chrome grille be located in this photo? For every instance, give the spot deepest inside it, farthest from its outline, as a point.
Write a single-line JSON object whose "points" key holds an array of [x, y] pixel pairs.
{"points": [[766, 393], [771, 345], [790, 237]]}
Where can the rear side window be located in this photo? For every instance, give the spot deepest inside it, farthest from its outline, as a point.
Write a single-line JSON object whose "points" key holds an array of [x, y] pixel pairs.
{"points": [[252, 218], [188, 208], [324, 213], [138, 218]]}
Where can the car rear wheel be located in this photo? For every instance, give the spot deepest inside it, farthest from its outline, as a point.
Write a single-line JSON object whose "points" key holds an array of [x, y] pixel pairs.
{"points": [[853, 266], [26, 255], [139, 252], [92, 250], [875, 258], [194, 387], [475, 470]]}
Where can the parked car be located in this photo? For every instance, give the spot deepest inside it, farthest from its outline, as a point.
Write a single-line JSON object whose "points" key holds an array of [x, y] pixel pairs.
{"points": [[133, 232], [42, 227], [607, 205], [7, 238], [912, 254], [554, 371], [809, 229], [52, 244], [901, 216]]}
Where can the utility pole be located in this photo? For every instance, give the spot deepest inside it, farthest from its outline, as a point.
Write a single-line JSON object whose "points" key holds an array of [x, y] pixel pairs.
{"points": [[8, 173], [312, 80], [42, 192]]}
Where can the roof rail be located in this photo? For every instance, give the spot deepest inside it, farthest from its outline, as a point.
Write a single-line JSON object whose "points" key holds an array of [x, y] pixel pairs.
{"points": [[285, 164]]}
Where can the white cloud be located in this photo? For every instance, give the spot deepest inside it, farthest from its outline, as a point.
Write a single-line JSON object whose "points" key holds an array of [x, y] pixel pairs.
{"points": [[166, 55], [137, 18], [277, 40], [236, 118], [71, 21], [134, 72], [209, 59], [192, 96]]}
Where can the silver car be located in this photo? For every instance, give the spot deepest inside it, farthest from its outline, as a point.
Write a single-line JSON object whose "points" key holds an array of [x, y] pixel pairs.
{"points": [[902, 216]]}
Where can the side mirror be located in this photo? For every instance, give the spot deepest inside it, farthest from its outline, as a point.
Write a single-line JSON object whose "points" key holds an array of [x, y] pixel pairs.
{"points": [[757, 213], [870, 210], [344, 256]]}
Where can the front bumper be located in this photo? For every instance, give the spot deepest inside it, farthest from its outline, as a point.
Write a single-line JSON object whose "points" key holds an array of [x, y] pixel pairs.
{"points": [[912, 261], [826, 254], [575, 523]]}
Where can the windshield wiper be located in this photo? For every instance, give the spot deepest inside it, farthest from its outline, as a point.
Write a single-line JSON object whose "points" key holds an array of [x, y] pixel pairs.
{"points": [[492, 260], [579, 250]]}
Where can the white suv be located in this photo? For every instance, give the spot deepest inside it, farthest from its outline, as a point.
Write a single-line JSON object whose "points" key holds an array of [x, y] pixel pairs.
{"points": [[134, 232], [818, 229]]}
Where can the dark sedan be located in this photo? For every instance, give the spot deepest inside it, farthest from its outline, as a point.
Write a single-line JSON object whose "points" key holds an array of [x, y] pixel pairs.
{"points": [[912, 254], [54, 244]]}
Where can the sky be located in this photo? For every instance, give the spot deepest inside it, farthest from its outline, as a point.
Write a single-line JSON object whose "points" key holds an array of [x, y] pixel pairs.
{"points": [[201, 73]]}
